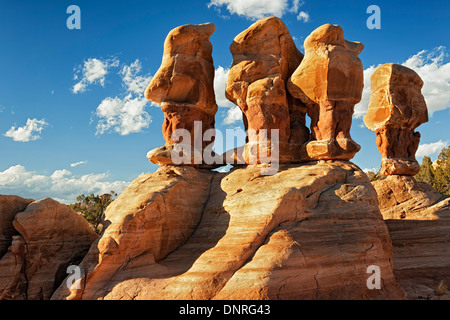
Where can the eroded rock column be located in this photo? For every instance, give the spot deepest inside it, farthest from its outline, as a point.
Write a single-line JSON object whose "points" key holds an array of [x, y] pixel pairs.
{"points": [[396, 109], [264, 56], [184, 87], [329, 80]]}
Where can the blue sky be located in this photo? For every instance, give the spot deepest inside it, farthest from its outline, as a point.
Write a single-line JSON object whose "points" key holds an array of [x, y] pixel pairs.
{"points": [[60, 89]]}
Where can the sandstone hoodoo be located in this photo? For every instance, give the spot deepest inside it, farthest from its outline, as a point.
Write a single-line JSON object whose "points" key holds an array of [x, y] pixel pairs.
{"points": [[396, 109], [184, 87], [311, 229], [329, 80], [417, 216], [264, 57]]}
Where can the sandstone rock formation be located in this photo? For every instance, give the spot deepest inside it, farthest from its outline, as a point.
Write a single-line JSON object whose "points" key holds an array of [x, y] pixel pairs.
{"points": [[13, 281], [155, 215], [184, 87], [308, 232], [264, 56], [418, 219], [9, 207], [50, 237], [396, 109], [329, 80]]}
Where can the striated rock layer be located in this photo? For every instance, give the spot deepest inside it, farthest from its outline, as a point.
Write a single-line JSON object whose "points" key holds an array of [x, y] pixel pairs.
{"points": [[418, 219], [308, 232]]}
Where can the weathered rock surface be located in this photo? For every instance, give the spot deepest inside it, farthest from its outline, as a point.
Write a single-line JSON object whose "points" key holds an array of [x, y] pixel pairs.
{"points": [[9, 207], [396, 109], [13, 282], [155, 215], [329, 80], [308, 232], [264, 56], [184, 84], [52, 237], [418, 219]]}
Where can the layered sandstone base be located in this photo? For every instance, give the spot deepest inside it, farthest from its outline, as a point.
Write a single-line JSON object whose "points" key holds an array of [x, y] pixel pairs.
{"points": [[310, 231], [418, 219]]}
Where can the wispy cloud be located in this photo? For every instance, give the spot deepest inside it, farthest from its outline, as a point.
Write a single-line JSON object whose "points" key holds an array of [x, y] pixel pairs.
{"points": [[303, 16], [29, 132], [79, 163], [61, 185], [93, 71]]}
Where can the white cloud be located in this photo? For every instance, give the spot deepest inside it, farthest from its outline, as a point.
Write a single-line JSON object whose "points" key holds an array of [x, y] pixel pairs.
{"points": [[258, 9], [79, 163], [436, 77], [30, 132], [428, 149], [132, 81], [220, 84], [303, 16], [296, 4], [366, 170], [234, 115], [125, 115], [434, 73], [61, 185], [93, 71], [363, 105]]}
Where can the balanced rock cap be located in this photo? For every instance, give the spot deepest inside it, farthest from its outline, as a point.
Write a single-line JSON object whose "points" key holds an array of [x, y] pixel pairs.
{"points": [[186, 74], [264, 49], [330, 70], [396, 99]]}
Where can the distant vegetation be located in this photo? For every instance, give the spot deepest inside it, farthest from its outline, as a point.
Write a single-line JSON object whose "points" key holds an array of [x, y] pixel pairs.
{"points": [[92, 208], [436, 174]]}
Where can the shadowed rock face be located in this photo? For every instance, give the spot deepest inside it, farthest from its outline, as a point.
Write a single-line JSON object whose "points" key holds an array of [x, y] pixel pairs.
{"points": [[48, 238], [9, 207], [329, 80], [264, 56], [184, 86], [396, 109]]}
